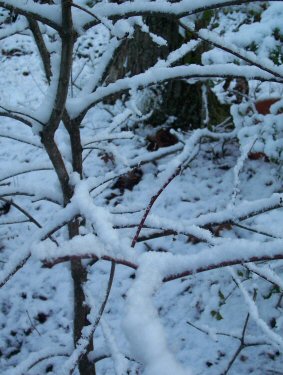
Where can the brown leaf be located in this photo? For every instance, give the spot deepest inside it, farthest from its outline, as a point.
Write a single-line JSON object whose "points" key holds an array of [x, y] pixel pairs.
{"points": [[129, 180], [162, 138]]}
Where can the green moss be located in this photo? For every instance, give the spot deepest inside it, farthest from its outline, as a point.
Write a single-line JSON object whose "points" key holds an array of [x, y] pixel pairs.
{"points": [[276, 55], [252, 47]]}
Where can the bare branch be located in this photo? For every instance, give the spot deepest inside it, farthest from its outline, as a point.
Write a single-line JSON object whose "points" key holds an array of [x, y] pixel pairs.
{"points": [[15, 269], [12, 113], [68, 37], [26, 141], [31, 218], [13, 29], [14, 174], [15, 117], [43, 51], [151, 203], [84, 341]]}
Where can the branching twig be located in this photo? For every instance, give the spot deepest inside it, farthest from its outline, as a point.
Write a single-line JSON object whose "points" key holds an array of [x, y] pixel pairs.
{"points": [[84, 341], [33, 326], [17, 116], [234, 52], [29, 216], [151, 203], [188, 272], [242, 344]]}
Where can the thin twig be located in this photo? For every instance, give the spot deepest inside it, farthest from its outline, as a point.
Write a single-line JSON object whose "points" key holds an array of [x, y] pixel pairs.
{"points": [[33, 326], [24, 172], [242, 344], [15, 222], [22, 114], [86, 340], [234, 53], [29, 216], [151, 203], [15, 270], [44, 358]]}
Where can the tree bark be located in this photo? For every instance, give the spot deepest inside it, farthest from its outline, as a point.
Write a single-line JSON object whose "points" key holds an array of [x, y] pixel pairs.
{"points": [[177, 101], [78, 271], [81, 309]]}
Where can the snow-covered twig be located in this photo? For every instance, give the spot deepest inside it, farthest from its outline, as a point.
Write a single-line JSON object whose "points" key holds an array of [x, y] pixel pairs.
{"points": [[151, 203], [274, 338], [88, 331], [119, 360]]}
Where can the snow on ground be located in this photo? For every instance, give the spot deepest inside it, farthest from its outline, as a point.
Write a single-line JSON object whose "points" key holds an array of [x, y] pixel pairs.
{"points": [[203, 318]]}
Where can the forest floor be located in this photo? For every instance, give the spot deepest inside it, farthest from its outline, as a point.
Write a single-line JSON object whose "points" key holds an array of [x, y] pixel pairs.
{"points": [[205, 316]]}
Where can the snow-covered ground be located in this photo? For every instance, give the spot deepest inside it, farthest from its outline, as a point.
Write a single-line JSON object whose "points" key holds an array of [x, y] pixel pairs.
{"points": [[226, 320]]}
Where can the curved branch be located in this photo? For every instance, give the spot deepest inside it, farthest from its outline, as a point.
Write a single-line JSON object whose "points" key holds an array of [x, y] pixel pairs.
{"points": [[29, 216], [44, 358], [15, 115], [217, 41], [156, 75], [158, 9], [28, 142], [38, 12], [66, 258], [24, 172], [188, 272], [43, 51]]}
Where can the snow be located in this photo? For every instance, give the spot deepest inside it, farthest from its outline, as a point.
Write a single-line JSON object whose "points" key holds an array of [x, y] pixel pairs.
{"points": [[157, 75], [255, 315], [173, 307], [143, 327]]}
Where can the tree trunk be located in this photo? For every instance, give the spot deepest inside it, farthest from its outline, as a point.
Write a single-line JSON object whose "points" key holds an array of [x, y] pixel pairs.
{"points": [[78, 271], [81, 310], [177, 101]]}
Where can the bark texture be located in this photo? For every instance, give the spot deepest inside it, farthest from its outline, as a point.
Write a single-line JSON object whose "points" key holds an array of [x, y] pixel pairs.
{"points": [[176, 100]]}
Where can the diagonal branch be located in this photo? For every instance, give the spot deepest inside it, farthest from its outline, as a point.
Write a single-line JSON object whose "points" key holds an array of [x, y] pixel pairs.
{"points": [[38, 12], [43, 51], [29, 216], [215, 40], [17, 115], [151, 203]]}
